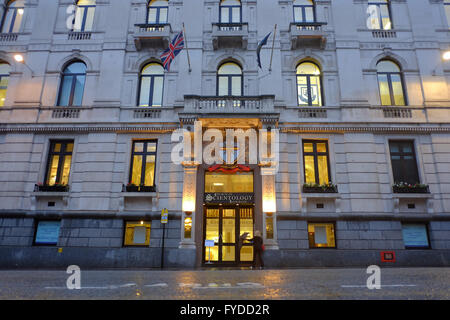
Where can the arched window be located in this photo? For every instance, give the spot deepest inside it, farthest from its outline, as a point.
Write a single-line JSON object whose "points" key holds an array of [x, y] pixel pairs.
{"points": [[157, 12], [229, 80], [380, 15], [447, 11], [72, 84], [151, 85], [309, 84], [390, 82], [304, 11], [230, 11], [84, 16], [4, 79], [12, 19]]}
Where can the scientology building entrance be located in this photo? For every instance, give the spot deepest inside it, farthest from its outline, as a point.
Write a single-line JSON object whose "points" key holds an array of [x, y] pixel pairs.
{"points": [[228, 213]]}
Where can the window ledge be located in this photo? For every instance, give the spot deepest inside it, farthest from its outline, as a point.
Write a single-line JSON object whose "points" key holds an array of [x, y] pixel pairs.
{"points": [[50, 194], [412, 196], [329, 195], [139, 194]]}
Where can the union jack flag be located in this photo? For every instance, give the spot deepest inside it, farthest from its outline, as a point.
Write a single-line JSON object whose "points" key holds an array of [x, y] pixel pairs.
{"points": [[174, 49]]}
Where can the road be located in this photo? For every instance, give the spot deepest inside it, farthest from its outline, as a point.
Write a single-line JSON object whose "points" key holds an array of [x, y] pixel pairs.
{"points": [[276, 284]]}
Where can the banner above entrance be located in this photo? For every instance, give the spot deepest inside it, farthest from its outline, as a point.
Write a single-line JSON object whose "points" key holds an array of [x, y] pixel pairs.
{"points": [[229, 198]]}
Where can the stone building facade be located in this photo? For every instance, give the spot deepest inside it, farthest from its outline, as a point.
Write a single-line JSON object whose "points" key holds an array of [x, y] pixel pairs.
{"points": [[358, 92]]}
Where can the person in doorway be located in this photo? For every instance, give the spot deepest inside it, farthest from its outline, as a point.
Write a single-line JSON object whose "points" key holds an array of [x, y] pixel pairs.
{"points": [[258, 246]]}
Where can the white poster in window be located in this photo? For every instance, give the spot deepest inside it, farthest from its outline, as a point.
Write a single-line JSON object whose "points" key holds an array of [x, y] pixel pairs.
{"points": [[139, 235], [320, 235], [47, 232], [415, 235]]}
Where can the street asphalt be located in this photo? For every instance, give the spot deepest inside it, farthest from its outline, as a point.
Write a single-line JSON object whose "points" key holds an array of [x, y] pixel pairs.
{"points": [[220, 284]]}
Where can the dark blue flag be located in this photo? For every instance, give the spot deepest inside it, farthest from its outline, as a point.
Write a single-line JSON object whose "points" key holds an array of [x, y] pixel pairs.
{"points": [[260, 45]]}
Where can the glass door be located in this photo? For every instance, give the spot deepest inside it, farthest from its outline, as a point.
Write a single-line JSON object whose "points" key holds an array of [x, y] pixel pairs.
{"points": [[224, 226]]}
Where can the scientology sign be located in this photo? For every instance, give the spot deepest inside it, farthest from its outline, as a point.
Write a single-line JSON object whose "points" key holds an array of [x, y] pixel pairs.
{"points": [[229, 198]]}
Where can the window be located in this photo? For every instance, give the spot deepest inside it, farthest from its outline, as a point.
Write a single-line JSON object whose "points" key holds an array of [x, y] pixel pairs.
{"points": [[72, 84], [304, 11], [403, 160], [321, 235], [12, 19], [157, 12], [447, 11], [315, 162], [230, 11], [229, 80], [151, 85], [4, 79], [239, 182], [84, 16], [415, 235], [309, 84], [47, 233], [59, 162], [137, 233], [390, 82], [143, 162], [380, 16]]}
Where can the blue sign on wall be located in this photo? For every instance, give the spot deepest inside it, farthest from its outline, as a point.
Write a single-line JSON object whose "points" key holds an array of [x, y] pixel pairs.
{"points": [[47, 232], [415, 236]]}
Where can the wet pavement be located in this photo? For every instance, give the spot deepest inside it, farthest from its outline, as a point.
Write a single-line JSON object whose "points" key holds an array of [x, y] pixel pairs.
{"points": [[218, 284]]}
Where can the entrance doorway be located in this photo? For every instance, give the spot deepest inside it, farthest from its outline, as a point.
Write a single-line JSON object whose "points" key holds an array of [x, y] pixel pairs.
{"points": [[224, 225]]}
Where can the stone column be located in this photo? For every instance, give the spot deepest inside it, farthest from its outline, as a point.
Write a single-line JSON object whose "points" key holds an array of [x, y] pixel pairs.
{"points": [[188, 204], [269, 205]]}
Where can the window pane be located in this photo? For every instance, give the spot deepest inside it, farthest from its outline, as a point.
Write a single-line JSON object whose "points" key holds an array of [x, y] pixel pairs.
{"points": [[2, 97], [18, 20], [229, 183], [321, 147], [236, 86], [303, 92], [310, 172], [137, 233], [152, 15], [397, 90], [236, 12], [308, 147], [384, 10], [145, 91], [223, 86], [89, 19], [79, 15], [139, 147], [385, 95], [57, 147], [315, 91], [228, 253], [323, 169], [149, 171], [151, 147], [374, 19], [53, 170], [225, 15], [66, 88], [7, 23], [79, 90], [298, 14], [157, 91], [321, 235], [163, 15], [69, 147], [66, 170], [137, 170], [309, 14]]}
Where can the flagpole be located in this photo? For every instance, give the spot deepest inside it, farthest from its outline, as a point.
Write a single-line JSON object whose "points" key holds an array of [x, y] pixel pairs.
{"points": [[273, 45], [187, 49]]}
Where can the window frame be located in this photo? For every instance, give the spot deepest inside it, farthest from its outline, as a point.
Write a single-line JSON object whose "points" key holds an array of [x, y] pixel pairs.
{"points": [[144, 155], [85, 12], [2, 76], [389, 83], [230, 13], [7, 8], [73, 84], [126, 222], [152, 87], [308, 84], [315, 154], [333, 223], [62, 154], [230, 80], [402, 154], [380, 19], [303, 7], [447, 16], [158, 13]]}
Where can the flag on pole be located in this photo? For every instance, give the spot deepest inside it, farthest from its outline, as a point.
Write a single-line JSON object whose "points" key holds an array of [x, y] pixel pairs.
{"points": [[174, 49], [260, 45]]}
